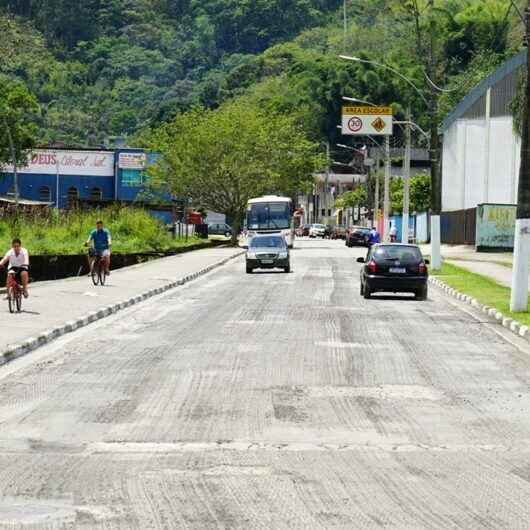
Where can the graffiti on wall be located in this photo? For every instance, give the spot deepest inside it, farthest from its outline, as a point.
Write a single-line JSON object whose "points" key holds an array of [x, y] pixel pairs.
{"points": [[495, 226]]}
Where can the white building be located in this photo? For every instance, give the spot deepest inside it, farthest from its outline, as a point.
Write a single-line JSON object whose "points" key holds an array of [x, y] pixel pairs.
{"points": [[481, 151]]}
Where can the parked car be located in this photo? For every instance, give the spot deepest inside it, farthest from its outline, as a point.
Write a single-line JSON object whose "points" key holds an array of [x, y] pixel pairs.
{"points": [[302, 230], [394, 268], [318, 230], [338, 232], [268, 251], [358, 236], [220, 229]]}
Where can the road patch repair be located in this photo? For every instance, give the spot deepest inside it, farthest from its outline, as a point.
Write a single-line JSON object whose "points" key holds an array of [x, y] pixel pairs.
{"points": [[205, 261]]}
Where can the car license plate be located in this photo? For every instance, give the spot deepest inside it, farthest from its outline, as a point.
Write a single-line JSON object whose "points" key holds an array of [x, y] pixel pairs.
{"points": [[397, 270], [267, 261]]}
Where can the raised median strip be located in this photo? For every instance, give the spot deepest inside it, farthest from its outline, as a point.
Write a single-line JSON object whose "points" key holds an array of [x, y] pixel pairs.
{"points": [[18, 350], [494, 314]]}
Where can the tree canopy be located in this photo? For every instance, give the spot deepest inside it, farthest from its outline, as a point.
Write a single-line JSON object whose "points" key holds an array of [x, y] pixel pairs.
{"points": [[105, 68], [222, 158], [17, 126]]}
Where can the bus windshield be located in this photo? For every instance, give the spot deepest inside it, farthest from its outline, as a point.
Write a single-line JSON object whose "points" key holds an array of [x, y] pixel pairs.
{"points": [[268, 216]]}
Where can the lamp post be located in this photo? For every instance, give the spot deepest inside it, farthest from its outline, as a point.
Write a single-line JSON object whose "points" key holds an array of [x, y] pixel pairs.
{"points": [[436, 188]]}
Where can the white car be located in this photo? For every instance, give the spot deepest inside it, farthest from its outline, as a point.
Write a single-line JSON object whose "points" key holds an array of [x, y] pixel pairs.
{"points": [[317, 230]]}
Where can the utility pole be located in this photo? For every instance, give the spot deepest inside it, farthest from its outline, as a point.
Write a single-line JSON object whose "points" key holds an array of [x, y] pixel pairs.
{"points": [[436, 185], [406, 181], [14, 158], [325, 197], [376, 194], [519, 294], [386, 196]]}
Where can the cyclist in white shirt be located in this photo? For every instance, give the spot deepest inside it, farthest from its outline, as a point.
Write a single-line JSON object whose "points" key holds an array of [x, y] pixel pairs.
{"points": [[17, 260]]}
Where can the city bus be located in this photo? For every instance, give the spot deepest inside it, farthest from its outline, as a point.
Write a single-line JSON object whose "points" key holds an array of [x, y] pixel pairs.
{"points": [[270, 214]]}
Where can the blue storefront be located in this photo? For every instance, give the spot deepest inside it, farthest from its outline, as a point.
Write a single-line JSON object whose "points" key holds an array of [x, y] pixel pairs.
{"points": [[64, 177]]}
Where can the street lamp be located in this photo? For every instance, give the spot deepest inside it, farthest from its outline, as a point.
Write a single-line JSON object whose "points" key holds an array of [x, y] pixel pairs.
{"points": [[382, 65], [436, 206]]}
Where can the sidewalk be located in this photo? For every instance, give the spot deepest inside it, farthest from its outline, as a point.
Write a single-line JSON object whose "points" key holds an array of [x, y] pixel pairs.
{"points": [[75, 301], [495, 265]]}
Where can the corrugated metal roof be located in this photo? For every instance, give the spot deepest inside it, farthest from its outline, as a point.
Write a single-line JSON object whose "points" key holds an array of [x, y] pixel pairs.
{"points": [[473, 97]]}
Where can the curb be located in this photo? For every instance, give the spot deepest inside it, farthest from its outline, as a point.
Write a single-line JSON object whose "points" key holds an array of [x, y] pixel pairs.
{"points": [[509, 323], [18, 350]]}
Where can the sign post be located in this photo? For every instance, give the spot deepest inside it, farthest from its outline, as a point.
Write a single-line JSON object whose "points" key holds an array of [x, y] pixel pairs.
{"points": [[372, 121]]}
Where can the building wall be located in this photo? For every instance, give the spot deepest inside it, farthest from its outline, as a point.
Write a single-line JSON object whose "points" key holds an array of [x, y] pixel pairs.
{"points": [[30, 186], [83, 171], [480, 163]]}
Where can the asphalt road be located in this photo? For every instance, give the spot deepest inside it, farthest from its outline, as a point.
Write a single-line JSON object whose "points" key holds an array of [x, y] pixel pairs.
{"points": [[271, 400]]}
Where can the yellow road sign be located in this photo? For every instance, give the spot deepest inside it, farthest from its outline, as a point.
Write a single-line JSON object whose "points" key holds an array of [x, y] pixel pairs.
{"points": [[378, 124], [363, 120], [352, 111]]}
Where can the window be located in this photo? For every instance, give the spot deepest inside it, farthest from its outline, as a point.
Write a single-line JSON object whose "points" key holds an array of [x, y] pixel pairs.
{"points": [[264, 216], [403, 253], [45, 194], [72, 196], [131, 178], [96, 194], [268, 242]]}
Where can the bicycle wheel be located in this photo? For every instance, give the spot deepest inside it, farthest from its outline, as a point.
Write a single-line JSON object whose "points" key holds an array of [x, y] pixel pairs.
{"points": [[94, 273], [101, 274], [18, 300], [10, 300]]}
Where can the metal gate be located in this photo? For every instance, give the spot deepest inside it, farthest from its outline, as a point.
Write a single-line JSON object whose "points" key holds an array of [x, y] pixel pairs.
{"points": [[459, 227]]}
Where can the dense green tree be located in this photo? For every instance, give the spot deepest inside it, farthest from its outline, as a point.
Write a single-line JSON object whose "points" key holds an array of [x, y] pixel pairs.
{"points": [[17, 128], [222, 158]]}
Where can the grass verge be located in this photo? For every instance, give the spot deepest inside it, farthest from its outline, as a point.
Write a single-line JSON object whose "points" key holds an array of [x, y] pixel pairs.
{"points": [[61, 233], [485, 290]]}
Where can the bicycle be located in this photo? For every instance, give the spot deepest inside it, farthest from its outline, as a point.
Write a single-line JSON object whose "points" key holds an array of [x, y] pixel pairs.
{"points": [[97, 271], [14, 294]]}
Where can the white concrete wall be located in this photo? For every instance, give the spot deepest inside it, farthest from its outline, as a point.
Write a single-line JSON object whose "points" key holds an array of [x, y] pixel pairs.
{"points": [[469, 175]]}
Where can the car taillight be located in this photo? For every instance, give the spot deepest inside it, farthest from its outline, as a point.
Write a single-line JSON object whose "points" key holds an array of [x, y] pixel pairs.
{"points": [[372, 266], [422, 268]]}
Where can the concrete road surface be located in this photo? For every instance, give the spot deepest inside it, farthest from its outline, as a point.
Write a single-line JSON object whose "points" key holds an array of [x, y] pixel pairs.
{"points": [[266, 401]]}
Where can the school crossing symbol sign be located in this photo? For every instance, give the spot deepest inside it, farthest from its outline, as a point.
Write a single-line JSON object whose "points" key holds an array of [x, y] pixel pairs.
{"points": [[365, 120]]}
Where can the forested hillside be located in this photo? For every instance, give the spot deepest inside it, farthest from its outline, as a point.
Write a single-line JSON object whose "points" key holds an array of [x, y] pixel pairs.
{"points": [[108, 67], [103, 68]]}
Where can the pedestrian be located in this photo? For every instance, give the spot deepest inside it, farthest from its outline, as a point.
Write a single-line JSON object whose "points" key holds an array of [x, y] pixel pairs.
{"points": [[393, 233], [374, 236]]}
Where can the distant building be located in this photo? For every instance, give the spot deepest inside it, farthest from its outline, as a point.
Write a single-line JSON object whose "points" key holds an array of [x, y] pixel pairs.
{"points": [[70, 177]]}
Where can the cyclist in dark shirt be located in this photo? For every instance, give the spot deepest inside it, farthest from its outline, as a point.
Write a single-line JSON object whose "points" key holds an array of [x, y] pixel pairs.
{"points": [[101, 242]]}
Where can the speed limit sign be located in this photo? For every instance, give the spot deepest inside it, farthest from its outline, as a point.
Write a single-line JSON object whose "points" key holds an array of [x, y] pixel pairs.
{"points": [[355, 124]]}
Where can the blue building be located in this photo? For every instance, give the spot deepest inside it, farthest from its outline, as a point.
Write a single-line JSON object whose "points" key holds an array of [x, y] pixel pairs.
{"points": [[67, 177]]}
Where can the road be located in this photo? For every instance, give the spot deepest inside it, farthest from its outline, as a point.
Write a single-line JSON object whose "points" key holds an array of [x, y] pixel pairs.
{"points": [[271, 401]]}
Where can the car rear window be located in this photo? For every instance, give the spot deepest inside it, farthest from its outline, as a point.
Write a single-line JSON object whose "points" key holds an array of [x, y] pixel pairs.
{"points": [[395, 252]]}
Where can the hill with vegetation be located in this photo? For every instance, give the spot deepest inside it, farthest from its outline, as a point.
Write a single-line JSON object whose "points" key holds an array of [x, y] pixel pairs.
{"points": [[105, 68]]}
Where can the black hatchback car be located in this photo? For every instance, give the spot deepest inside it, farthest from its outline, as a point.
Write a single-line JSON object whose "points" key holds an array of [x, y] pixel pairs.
{"points": [[394, 268], [358, 236], [268, 251]]}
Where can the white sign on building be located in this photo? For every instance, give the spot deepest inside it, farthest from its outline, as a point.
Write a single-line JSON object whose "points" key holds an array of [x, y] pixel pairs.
{"points": [[365, 120], [132, 160], [65, 162]]}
